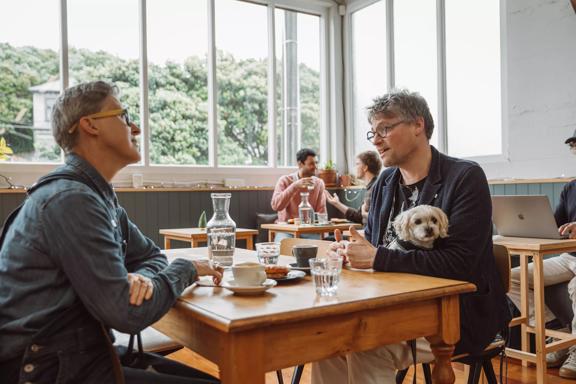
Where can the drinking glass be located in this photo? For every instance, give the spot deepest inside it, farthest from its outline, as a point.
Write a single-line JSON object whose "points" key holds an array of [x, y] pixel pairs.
{"points": [[268, 253], [326, 275]]}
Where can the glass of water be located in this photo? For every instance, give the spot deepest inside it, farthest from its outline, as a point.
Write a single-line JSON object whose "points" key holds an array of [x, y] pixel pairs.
{"points": [[268, 253], [326, 275]]}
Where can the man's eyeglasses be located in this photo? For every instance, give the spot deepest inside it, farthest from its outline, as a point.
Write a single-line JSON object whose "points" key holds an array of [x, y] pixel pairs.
{"points": [[382, 131], [100, 115]]}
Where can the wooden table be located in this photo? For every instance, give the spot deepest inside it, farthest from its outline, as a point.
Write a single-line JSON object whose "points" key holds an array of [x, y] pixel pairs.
{"points": [[536, 249], [297, 229], [198, 235], [290, 325]]}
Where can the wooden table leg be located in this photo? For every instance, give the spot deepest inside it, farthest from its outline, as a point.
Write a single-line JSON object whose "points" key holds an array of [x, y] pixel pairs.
{"points": [[524, 305], [242, 360], [249, 242], [193, 243], [271, 235], [166, 242], [443, 344], [443, 372], [540, 326]]}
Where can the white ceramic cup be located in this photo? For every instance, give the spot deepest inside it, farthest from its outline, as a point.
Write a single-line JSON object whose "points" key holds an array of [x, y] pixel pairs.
{"points": [[248, 274]]}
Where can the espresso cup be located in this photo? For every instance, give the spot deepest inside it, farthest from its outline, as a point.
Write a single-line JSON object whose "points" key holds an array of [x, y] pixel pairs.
{"points": [[304, 252], [249, 274]]}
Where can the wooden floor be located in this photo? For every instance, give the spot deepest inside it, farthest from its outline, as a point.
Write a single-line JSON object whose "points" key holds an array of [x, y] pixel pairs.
{"points": [[516, 373]]}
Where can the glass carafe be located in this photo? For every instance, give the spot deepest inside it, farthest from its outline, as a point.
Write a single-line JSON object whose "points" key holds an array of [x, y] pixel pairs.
{"points": [[221, 231], [305, 210]]}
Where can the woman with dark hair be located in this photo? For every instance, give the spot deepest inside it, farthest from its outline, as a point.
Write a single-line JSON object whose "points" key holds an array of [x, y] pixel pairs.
{"points": [[368, 165]]}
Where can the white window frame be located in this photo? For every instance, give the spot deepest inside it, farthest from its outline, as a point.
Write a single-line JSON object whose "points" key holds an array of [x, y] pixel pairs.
{"points": [[441, 123], [326, 10]]}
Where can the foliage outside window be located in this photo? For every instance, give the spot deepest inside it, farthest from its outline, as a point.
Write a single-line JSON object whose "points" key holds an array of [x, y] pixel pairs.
{"points": [[178, 72]]}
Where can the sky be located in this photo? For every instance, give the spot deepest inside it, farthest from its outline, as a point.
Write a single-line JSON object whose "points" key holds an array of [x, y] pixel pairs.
{"points": [[176, 28]]}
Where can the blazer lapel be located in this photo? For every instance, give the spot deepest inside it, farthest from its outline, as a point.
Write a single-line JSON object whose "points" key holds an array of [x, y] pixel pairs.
{"points": [[388, 190], [433, 182]]}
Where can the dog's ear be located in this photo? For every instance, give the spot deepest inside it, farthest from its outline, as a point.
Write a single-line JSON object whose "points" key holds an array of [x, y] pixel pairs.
{"points": [[401, 225], [442, 223]]}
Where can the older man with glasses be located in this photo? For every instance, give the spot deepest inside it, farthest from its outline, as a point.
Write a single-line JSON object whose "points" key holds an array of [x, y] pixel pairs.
{"points": [[401, 127], [72, 265]]}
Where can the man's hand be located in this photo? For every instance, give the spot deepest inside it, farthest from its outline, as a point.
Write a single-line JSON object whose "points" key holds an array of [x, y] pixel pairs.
{"points": [[205, 268], [141, 288], [568, 228], [304, 183], [359, 251], [339, 246]]}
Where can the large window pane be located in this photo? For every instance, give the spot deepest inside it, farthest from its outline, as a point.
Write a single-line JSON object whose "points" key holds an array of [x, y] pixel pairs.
{"points": [[369, 66], [29, 79], [415, 51], [104, 45], [178, 90], [242, 67], [298, 84], [473, 77]]}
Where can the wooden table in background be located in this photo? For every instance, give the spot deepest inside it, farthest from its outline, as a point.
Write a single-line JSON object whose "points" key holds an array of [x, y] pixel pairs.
{"points": [[536, 249], [198, 235], [289, 325], [297, 230]]}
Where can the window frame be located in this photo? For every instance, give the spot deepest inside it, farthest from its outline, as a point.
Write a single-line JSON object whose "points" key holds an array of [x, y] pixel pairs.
{"points": [[353, 133], [324, 9]]}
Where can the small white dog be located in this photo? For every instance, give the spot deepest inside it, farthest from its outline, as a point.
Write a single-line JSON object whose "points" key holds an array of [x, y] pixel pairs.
{"points": [[420, 226]]}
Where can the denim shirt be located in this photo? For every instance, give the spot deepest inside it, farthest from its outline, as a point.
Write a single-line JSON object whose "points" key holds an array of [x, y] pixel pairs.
{"points": [[66, 244]]}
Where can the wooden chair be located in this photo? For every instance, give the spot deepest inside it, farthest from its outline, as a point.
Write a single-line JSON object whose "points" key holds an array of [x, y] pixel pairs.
{"points": [[482, 361], [286, 246], [152, 341]]}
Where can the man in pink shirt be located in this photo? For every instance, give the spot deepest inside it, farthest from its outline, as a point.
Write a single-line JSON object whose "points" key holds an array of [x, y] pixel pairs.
{"points": [[286, 197]]}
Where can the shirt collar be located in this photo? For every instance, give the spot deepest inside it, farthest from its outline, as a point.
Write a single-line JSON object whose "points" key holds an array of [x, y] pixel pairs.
{"points": [[86, 170]]}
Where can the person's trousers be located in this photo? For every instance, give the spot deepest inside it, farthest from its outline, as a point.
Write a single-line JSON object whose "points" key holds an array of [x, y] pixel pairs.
{"points": [[376, 366], [556, 270]]}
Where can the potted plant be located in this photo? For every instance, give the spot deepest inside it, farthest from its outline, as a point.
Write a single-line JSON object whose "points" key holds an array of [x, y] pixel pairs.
{"points": [[328, 174]]}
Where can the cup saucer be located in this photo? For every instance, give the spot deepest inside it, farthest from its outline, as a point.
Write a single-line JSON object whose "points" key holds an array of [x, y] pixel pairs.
{"points": [[295, 267], [233, 286]]}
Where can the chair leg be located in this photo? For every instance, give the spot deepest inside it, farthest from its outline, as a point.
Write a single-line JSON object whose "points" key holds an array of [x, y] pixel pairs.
{"points": [[279, 376], [297, 374], [475, 371], [400, 375], [489, 372], [427, 373]]}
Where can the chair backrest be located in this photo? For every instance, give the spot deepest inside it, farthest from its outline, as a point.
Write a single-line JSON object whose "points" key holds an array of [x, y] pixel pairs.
{"points": [[287, 244], [502, 258]]}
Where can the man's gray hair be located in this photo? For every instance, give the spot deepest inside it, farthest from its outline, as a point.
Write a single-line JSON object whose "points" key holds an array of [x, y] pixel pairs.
{"points": [[405, 104], [78, 101]]}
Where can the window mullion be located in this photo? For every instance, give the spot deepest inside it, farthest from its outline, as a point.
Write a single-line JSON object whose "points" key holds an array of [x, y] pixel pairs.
{"points": [[442, 123], [212, 87], [271, 86], [390, 74], [144, 105]]}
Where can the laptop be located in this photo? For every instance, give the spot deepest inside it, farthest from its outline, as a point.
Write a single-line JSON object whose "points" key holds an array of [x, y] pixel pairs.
{"points": [[524, 216]]}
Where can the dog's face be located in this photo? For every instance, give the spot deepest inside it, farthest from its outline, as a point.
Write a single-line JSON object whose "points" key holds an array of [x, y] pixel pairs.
{"points": [[421, 225]]}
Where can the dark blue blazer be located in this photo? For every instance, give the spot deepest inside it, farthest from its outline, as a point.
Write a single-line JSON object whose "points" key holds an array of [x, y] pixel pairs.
{"points": [[460, 189]]}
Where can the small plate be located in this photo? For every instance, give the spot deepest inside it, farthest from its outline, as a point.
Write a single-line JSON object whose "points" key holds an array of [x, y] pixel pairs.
{"points": [[291, 276], [248, 290], [295, 267]]}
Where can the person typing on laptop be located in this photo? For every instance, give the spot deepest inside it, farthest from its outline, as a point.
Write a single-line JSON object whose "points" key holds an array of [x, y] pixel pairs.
{"points": [[557, 270]]}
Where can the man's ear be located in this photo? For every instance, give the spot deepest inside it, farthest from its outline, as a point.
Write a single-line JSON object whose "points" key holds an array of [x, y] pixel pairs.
{"points": [[87, 126], [420, 125]]}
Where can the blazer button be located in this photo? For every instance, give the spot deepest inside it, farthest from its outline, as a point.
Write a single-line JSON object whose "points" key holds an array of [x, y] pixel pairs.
{"points": [[29, 368], [34, 348]]}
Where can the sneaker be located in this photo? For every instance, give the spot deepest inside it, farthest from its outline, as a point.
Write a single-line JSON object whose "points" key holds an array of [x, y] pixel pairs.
{"points": [[556, 358], [568, 369]]}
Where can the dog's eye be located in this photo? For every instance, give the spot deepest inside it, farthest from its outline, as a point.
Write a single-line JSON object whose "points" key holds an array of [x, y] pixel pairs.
{"points": [[434, 220], [417, 221]]}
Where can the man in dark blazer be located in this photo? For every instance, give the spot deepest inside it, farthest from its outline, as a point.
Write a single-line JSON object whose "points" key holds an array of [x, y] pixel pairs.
{"points": [[401, 127]]}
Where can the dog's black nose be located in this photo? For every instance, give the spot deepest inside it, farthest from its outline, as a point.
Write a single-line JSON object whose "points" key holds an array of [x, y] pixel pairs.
{"points": [[429, 231]]}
